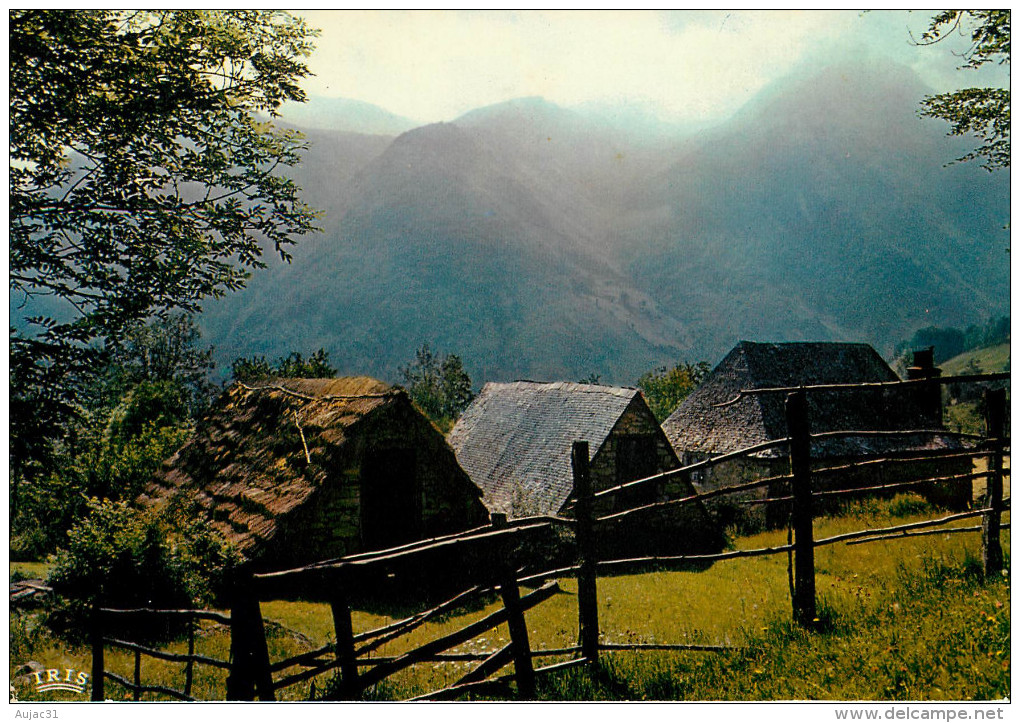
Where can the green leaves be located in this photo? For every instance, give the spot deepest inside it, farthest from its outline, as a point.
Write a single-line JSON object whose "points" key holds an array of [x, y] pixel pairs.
{"points": [[121, 557], [989, 34], [981, 112], [294, 366], [665, 388], [143, 179], [438, 386]]}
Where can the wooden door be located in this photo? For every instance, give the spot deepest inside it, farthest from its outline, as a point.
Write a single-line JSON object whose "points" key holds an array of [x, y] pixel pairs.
{"points": [[636, 458], [390, 504]]}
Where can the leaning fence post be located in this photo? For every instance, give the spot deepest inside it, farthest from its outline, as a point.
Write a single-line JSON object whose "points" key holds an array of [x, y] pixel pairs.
{"points": [[995, 420], [587, 580], [98, 664], [345, 655], [249, 653], [804, 545], [520, 646]]}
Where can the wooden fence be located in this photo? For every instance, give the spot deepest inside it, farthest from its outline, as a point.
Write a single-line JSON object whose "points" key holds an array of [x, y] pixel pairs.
{"points": [[492, 562], [102, 618]]}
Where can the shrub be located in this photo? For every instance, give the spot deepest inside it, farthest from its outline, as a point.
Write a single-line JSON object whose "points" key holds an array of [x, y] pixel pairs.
{"points": [[26, 635], [29, 544], [438, 385], [666, 387], [113, 456], [120, 557], [906, 505]]}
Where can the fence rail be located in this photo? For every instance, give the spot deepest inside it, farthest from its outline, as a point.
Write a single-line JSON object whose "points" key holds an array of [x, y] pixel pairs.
{"points": [[856, 386], [99, 641], [252, 675]]}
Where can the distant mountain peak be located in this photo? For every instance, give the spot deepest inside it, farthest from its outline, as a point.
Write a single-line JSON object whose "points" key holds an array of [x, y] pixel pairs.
{"points": [[346, 115], [847, 85], [533, 110]]}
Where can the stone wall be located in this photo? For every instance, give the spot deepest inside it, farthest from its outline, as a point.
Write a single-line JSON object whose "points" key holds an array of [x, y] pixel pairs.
{"points": [[733, 510], [329, 524], [678, 530], [636, 421]]}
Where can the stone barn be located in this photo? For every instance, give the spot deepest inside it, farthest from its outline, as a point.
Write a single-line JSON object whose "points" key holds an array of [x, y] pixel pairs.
{"points": [[299, 470], [515, 439], [710, 423]]}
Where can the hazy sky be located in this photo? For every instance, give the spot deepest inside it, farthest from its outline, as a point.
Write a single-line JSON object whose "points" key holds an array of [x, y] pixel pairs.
{"points": [[685, 66]]}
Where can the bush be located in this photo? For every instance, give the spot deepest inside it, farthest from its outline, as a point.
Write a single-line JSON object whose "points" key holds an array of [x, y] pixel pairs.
{"points": [[120, 557], [26, 635], [256, 368], [907, 505], [29, 544], [113, 456], [439, 386]]}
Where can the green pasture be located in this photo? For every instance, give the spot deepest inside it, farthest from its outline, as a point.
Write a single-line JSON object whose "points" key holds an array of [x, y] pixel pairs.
{"points": [[907, 618]]}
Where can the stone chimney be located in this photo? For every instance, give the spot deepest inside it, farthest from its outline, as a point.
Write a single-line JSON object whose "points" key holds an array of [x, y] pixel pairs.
{"points": [[930, 395]]}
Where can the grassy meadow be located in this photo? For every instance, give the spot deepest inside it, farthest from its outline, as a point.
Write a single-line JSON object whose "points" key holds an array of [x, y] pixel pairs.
{"points": [[903, 619], [964, 415], [988, 359]]}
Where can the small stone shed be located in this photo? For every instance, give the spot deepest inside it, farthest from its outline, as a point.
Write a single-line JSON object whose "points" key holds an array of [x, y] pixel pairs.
{"points": [[299, 470], [515, 439], [707, 425]]}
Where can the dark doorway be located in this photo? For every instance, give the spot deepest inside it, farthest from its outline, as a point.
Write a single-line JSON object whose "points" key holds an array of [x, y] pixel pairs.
{"points": [[389, 498], [636, 458]]}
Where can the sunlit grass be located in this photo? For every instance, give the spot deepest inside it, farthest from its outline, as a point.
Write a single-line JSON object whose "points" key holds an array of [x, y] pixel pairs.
{"points": [[30, 570], [734, 602], [914, 637]]}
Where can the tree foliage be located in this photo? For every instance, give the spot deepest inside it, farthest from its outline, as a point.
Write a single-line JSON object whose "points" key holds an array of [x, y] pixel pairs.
{"points": [[136, 412], [111, 456], [293, 366], [166, 350], [947, 342], [143, 178], [665, 388], [984, 111], [950, 341], [438, 385]]}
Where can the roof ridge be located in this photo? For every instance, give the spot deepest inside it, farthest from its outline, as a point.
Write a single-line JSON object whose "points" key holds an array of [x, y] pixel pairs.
{"points": [[326, 397], [591, 387]]}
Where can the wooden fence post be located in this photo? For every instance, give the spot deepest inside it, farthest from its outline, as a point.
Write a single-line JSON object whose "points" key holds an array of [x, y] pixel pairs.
{"points": [[345, 655], [587, 580], [189, 670], [249, 653], [260, 653], [240, 680], [797, 425], [138, 675], [520, 646], [995, 420], [98, 664]]}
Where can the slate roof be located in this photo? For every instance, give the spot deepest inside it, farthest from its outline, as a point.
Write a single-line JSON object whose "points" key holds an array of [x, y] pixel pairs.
{"points": [[246, 466], [514, 440], [700, 426]]}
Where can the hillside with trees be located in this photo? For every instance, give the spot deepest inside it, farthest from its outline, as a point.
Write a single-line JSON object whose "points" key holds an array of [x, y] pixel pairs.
{"points": [[542, 245]]}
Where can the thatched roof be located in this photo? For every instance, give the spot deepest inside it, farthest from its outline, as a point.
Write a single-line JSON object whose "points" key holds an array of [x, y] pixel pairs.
{"points": [[247, 465], [514, 440], [699, 425]]}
